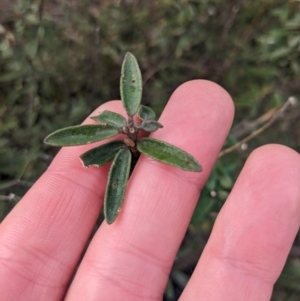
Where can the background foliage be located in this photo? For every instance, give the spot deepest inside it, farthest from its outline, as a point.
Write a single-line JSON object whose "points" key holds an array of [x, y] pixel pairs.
{"points": [[60, 60]]}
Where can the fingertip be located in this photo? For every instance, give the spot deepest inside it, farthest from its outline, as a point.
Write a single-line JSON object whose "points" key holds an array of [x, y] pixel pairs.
{"points": [[275, 161], [271, 153], [197, 119], [212, 97]]}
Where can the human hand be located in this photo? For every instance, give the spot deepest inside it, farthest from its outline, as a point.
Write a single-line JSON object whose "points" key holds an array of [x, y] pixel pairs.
{"points": [[42, 239]]}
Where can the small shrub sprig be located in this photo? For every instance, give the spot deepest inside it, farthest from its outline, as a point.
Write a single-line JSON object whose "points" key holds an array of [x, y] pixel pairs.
{"points": [[124, 152]]}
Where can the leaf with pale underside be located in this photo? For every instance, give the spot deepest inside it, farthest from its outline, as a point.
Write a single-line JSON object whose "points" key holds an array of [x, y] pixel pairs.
{"points": [[167, 153], [116, 185], [131, 84], [110, 118], [151, 126], [80, 134], [146, 113], [100, 155]]}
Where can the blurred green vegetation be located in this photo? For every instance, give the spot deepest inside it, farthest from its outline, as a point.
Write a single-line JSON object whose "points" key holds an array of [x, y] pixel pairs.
{"points": [[59, 62]]}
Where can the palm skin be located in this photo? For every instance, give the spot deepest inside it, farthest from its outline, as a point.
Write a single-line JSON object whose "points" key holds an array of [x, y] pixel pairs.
{"points": [[42, 239]]}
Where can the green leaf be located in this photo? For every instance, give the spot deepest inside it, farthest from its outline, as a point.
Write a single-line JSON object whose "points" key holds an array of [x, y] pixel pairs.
{"points": [[131, 84], [110, 118], [168, 153], [80, 134], [116, 186], [100, 155], [151, 125], [146, 113]]}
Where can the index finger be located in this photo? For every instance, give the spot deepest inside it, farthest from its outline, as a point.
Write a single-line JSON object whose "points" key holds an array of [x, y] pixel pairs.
{"points": [[42, 239]]}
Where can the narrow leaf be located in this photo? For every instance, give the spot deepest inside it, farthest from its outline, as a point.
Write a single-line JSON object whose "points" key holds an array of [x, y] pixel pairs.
{"points": [[151, 125], [131, 84], [168, 153], [80, 134], [110, 118], [100, 155], [146, 113], [116, 186]]}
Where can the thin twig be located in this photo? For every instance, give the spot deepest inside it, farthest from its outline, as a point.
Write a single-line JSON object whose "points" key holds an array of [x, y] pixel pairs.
{"points": [[274, 117], [9, 198], [13, 183], [153, 70], [18, 180], [245, 127]]}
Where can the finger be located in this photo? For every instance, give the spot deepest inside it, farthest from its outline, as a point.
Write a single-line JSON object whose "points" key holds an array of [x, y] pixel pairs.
{"points": [[253, 232], [131, 259], [42, 239]]}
